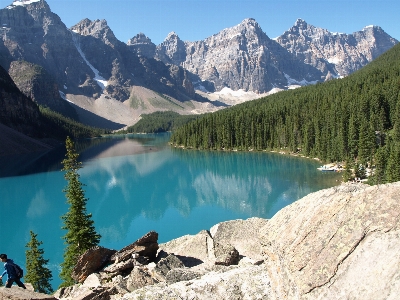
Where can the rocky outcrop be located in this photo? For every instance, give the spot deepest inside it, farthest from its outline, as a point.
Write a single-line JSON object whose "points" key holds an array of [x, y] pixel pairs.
{"points": [[139, 265], [142, 45], [35, 82], [93, 260], [338, 243], [17, 110], [146, 246]]}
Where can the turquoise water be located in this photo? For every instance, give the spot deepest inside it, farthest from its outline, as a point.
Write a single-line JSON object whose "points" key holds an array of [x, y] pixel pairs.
{"points": [[138, 183]]}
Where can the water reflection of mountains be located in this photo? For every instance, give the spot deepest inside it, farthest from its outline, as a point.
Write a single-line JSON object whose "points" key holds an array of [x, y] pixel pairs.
{"points": [[115, 145], [252, 184]]}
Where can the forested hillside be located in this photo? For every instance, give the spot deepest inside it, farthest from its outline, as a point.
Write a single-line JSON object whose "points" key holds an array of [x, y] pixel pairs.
{"points": [[160, 121], [355, 119], [20, 113]]}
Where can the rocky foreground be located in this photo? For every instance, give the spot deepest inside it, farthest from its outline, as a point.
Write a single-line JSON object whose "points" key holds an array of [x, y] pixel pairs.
{"points": [[338, 243]]}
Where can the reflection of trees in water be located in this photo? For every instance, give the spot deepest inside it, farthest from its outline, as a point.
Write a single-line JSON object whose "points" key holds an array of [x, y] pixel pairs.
{"points": [[250, 184], [245, 164]]}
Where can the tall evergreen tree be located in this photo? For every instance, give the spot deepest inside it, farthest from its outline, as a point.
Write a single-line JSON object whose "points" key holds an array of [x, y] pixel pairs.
{"points": [[81, 234], [36, 271]]}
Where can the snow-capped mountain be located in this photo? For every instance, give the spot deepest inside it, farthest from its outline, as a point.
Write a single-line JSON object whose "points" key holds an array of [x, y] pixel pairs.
{"points": [[109, 83], [335, 54], [244, 57]]}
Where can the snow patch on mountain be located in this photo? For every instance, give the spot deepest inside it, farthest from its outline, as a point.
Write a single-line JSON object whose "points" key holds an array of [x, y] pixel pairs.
{"points": [[239, 93], [101, 81], [22, 3], [291, 81], [334, 60]]}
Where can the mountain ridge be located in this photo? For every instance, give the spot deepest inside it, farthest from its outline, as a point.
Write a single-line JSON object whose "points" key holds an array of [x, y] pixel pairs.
{"points": [[96, 72]]}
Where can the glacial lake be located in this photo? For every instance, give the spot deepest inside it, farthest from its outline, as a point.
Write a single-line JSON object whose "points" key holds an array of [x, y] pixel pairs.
{"points": [[138, 183]]}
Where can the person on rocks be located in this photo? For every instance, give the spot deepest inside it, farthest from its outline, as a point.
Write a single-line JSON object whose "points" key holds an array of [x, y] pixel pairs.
{"points": [[9, 269]]}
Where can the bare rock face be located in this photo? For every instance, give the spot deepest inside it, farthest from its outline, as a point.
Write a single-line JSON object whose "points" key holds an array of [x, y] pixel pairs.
{"points": [[338, 243], [142, 45], [181, 274], [91, 261], [335, 242], [35, 82]]}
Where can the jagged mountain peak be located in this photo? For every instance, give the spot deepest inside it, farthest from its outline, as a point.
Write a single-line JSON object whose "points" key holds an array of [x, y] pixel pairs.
{"points": [[88, 27], [172, 36], [247, 25], [140, 38], [302, 24], [98, 29], [250, 22]]}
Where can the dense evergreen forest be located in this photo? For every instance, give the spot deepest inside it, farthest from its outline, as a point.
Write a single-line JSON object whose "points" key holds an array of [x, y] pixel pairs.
{"points": [[355, 119], [161, 121], [59, 127]]}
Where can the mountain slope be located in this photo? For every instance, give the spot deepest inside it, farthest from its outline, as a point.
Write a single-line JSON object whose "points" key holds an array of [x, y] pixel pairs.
{"points": [[17, 111]]}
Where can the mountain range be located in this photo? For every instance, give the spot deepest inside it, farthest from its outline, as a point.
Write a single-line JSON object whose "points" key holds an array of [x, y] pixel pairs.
{"points": [[86, 73]]}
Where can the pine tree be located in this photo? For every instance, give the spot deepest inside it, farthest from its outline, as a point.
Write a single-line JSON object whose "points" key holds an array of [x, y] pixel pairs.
{"points": [[81, 234], [36, 271], [347, 174]]}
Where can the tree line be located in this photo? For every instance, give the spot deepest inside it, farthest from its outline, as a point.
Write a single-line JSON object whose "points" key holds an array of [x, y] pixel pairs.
{"points": [[57, 126], [160, 121], [354, 119]]}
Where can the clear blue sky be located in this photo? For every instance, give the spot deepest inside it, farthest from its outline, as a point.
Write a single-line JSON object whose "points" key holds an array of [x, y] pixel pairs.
{"points": [[195, 20]]}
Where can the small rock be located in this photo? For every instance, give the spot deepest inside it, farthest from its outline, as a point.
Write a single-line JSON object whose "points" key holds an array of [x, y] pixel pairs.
{"points": [[139, 278], [181, 274], [92, 281], [226, 255], [165, 265]]}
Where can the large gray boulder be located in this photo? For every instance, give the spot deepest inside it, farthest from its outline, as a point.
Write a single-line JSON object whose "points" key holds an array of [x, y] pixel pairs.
{"points": [[192, 250], [241, 234], [338, 243]]}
